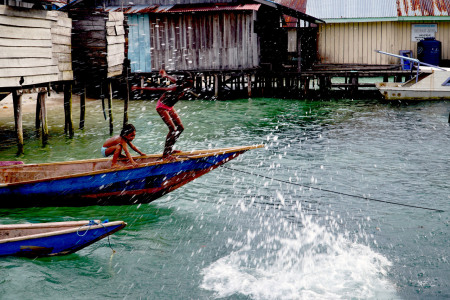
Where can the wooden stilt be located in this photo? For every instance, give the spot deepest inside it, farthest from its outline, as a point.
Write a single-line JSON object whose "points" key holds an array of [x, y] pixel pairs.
{"points": [[38, 115], [217, 84], [68, 122], [102, 97], [83, 106], [324, 83], [127, 99], [354, 83], [249, 85], [306, 86], [43, 114], [17, 100], [142, 84], [110, 115], [299, 48], [198, 84]]}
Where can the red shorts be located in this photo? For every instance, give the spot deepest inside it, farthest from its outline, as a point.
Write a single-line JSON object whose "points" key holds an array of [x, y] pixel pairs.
{"points": [[163, 106]]}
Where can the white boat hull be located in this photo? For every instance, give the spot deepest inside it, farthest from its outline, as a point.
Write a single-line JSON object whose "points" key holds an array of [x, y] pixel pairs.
{"points": [[428, 87]]}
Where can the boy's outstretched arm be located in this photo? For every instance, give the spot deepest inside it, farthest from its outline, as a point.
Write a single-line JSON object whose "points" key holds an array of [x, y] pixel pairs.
{"points": [[164, 74], [132, 146]]}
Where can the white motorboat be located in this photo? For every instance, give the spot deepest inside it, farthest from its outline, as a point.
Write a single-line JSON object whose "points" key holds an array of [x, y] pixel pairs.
{"points": [[430, 83]]}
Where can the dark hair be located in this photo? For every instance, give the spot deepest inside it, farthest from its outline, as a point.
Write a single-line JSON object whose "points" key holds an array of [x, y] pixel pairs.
{"points": [[127, 129]]}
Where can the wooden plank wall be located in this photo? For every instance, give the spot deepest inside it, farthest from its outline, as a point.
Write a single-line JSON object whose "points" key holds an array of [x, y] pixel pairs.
{"points": [[354, 43], [88, 45], [115, 37], [210, 41], [30, 46], [62, 47], [98, 44]]}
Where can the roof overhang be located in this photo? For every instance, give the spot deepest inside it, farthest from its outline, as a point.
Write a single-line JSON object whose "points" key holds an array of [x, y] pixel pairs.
{"points": [[178, 8], [284, 10], [388, 19]]}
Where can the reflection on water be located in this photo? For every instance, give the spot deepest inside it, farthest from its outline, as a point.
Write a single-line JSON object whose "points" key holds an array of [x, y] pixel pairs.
{"points": [[235, 235]]}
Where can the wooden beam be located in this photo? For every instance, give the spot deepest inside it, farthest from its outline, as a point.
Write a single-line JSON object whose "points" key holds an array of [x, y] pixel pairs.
{"points": [[198, 84], [17, 100], [127, 99], [249, 85], [38, 115], [43, 114], [299, 50], [68, 122], [110, 115], [83, 106], [217, 85]]}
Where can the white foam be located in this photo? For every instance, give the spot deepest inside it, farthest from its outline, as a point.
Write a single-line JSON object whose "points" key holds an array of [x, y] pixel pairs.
{"points": [[307, 263]]}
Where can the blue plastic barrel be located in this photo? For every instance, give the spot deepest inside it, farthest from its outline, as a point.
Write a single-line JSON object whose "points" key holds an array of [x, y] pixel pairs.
{"points": [[429, 51]]}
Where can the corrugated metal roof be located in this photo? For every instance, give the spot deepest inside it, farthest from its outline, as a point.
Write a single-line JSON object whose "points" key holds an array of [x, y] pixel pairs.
{"points": [[361, 9], [299, 5], [143, 9], [349, 9], [408, 8]]}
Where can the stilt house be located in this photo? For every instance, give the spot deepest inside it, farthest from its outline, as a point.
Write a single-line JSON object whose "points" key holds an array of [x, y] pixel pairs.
{"points": [[206, 35], [355, 28], [98, 50], [34, 45], [35, 51], [98, 43]]}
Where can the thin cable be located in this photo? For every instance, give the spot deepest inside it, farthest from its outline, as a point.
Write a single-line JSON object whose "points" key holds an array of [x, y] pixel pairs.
{"points": [[334, 192]]}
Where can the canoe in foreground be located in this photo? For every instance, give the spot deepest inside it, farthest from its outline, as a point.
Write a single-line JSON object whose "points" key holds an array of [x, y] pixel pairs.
{"points": [[50, 239], [93, 182]]}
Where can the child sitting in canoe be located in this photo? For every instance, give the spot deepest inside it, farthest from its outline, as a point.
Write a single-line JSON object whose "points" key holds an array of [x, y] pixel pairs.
{"points": [[114, 145]]}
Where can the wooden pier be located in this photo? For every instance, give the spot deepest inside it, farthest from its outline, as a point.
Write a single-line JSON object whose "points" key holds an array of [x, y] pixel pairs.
{"points": [[323, 83]]}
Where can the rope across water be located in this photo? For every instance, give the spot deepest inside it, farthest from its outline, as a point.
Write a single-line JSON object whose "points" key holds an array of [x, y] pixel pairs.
{"points": [[335, 192]]}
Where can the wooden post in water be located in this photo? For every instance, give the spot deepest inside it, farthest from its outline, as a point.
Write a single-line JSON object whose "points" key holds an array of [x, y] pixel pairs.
{"points": [[37, 123], [249, 85], [17, 100], [198, 84], [354, 83], [83, 106], [43, 115], [306, 83], [110, 115], [217, 85], [127, 99], [68, 122], [324, 84]]}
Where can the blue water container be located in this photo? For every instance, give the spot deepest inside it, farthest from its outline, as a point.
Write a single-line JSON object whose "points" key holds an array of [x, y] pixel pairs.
{"points": [[429, 51]]}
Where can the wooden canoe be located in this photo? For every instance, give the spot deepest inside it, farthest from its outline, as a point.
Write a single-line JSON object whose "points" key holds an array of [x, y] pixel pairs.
{"points": [[50, 239], [94, 182]]}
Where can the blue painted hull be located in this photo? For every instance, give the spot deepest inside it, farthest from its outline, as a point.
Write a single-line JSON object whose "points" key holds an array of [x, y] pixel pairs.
{"points": [[111, 187], [64, 241]]}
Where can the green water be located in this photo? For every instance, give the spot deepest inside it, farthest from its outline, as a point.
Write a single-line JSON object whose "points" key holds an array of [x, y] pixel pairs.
{"points": [[232, 234]]}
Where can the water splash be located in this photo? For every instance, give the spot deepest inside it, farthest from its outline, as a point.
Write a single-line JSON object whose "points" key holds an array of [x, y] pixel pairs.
{"points": [[307, 263]]}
